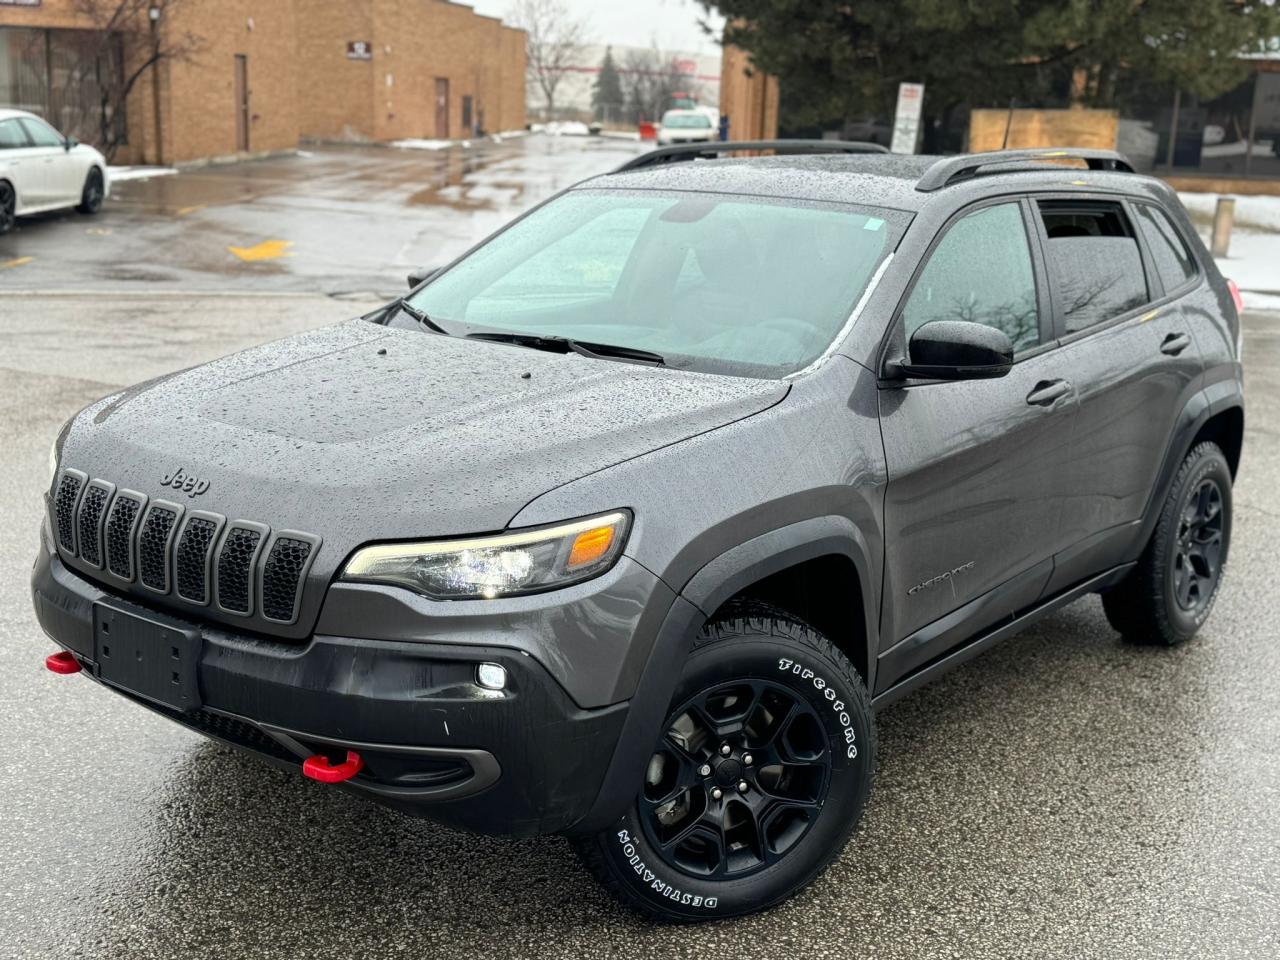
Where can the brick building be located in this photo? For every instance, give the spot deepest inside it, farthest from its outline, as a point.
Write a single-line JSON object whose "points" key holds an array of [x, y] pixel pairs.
{"points": [[266, 73]]}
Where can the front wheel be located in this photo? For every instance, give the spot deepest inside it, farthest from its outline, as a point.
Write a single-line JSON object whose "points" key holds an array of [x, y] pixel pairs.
{"points": [[8, 207], [1169, 594], [760, 775], [93, 193]]}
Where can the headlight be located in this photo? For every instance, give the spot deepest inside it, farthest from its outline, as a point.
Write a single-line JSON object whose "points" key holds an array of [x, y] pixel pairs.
{"points": [[502, 566]]}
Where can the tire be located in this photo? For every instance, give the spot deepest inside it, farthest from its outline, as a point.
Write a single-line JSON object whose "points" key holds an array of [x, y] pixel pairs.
{"points": [[1169, 595], [8, 206], [751, 848], [91, 196]]}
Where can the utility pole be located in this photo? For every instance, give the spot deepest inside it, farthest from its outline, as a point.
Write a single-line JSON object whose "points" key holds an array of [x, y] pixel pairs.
{"points": [[154, 15]]}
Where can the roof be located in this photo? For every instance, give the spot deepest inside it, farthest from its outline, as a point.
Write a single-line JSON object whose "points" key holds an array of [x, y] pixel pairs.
{"points": [[880, 180], [8, 113], [873, 179]]}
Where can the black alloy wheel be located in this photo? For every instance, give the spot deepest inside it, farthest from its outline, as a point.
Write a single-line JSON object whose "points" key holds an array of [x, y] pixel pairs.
{"points": [[739, 776], [92, 196], [758, 776], [1170, 592], [1197, 562]]}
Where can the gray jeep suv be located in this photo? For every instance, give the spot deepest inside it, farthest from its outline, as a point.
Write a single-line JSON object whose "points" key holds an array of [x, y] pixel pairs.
{"points": [[624, 524]]}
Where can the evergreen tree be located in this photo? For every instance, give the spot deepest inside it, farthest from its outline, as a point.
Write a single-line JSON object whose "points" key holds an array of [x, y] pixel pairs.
{"points": [[840, 59], [606, 97]]}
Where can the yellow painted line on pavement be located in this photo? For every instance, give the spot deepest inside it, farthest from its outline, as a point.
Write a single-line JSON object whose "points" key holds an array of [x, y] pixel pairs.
{"points": [[19, 262], [266, 250], [183, 211]]}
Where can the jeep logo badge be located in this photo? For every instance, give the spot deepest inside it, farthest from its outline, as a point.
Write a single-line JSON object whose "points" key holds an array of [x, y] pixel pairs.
{"points": [[181, 480]]}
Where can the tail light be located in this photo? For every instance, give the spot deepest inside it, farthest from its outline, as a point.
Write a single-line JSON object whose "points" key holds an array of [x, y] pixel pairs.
{"points": [[1235, 296]]}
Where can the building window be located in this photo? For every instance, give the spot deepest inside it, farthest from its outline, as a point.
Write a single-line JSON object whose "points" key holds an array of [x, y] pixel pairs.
{"points": [[71, 78]]}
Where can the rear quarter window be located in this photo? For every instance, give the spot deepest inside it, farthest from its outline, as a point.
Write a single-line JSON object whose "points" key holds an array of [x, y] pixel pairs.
{"points": [[1173, 260], [1095, 265]]}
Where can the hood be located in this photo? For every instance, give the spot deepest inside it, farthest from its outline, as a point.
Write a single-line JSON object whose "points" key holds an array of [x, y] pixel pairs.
{"points": [[360, 432]]}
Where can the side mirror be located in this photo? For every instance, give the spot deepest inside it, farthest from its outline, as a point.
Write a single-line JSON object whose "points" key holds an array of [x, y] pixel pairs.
{"points": [[71, 142], [957, 350], [421, 275]]}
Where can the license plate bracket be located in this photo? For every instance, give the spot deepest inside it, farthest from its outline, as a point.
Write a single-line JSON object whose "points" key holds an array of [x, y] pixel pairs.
{"points": [[148, 655]]}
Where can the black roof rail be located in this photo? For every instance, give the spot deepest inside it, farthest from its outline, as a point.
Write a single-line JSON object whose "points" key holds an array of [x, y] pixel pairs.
{"points": [[707, 151], [965, 166]]}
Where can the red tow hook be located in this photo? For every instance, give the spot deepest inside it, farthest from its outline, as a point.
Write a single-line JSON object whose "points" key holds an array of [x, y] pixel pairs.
{"points": [[319, 768], [64, 662]]}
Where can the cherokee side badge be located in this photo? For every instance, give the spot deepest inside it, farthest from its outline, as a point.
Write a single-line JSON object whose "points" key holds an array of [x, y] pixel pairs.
{"points": [[942, 577]]}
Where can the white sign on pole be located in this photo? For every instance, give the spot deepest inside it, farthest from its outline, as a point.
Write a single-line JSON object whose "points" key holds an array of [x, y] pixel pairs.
{"points": [[906, 119]]}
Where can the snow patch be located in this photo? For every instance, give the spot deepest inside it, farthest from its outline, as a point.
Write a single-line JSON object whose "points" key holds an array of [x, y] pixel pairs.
{"points": [[567, 128], [414, 144], [1254, 249], [119, 174]]}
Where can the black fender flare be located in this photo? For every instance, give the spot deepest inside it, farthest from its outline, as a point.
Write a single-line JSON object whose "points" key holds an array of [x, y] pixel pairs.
{"points": [[1200, 408], [714, 583]]}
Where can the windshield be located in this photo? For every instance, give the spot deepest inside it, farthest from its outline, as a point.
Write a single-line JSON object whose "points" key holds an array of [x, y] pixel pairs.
{"points": [[712, 282], [686, 121]]}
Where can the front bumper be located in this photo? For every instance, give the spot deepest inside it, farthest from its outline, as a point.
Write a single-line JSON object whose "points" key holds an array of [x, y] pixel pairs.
{"points": [[525, 760]]}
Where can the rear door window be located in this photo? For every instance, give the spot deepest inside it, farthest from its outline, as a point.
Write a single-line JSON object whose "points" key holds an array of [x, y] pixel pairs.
{"points": [[11, 135], [1173, 260], [1095, 265]]}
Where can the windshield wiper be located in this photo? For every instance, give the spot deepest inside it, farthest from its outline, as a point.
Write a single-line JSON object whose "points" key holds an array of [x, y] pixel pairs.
{"points": [[404, 306], [556, 344]]}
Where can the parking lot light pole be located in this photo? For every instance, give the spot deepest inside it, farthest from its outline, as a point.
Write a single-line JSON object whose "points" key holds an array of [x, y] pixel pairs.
{"points": [[153, 14]]}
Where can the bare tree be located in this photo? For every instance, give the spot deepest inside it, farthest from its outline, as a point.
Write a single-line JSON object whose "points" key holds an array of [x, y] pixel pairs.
{"points": [[650, 77], [555, 43], [128, 39]]}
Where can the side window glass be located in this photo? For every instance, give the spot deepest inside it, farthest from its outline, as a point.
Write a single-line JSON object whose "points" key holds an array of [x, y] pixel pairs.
{"points": [[1094, 262], [1172, 258], [11, 135], [42, 135], [980, 272]]}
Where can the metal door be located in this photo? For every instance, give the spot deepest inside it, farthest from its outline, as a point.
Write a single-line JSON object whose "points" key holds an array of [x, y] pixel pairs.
{"points": [[442, 108], [242, 102]]}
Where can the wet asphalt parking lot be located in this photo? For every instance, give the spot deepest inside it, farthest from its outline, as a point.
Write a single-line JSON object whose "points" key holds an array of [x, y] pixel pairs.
{"points": [[1062, 796]]}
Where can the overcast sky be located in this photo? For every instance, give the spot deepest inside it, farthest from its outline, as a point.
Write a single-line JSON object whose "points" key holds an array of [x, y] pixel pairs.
{"points": [[673, 24]]}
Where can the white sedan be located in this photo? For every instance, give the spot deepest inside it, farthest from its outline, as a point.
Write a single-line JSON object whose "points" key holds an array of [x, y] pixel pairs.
{"points": [[686, 126], [40, 170]]}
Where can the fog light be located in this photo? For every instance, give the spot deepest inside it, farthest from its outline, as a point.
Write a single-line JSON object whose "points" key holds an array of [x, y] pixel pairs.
{"points": [[491, 676]]}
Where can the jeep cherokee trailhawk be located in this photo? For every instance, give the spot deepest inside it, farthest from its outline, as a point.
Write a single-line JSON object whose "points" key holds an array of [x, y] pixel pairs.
{"points": [[622, 525]]}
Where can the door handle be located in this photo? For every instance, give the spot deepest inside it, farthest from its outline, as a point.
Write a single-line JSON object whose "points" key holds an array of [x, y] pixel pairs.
{"points": [[1047, 392], [1175, 343]]}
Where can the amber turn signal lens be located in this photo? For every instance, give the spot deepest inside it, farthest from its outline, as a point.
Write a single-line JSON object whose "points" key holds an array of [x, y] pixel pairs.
{"points": [[590, 546]]}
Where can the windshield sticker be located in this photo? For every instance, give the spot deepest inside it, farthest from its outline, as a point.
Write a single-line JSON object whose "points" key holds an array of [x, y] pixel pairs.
{"points": [[873, 223]]}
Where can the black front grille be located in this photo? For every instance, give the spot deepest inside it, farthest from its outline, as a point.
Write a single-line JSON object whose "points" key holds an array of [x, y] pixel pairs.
{"points": [[120, 523], [89, 523], [281, 576], [153, 548], [192, 557], [64, 507], [235, 568], [171, 549]]}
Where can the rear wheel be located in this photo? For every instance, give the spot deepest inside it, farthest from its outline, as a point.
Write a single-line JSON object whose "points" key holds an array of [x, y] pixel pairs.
{"points": [[1171, 592], [758, 778], [91, 196], [8, 207]]}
